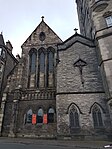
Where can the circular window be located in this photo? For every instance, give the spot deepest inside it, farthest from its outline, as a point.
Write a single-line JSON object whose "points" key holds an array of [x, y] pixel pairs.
{"points": [[42, 36]]}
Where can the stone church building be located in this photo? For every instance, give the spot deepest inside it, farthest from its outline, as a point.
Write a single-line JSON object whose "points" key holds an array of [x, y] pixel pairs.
{"points": [[63, 89]]}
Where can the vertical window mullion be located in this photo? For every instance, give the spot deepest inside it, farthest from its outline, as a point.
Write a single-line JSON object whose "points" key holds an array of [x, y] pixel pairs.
{"points": [[97, 118], [74, 118], [100, 119]]}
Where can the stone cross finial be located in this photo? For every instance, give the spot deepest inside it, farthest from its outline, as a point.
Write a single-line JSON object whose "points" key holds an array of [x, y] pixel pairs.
{"points": [[75, 30], [42, 18]]}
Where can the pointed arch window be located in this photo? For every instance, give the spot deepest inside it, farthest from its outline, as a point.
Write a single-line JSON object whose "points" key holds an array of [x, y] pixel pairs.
{"points": [[74, 117], [41, 76], [51, 113], [32, 67], [97, 117], [33, 57], [50, 61], [42, 62], [40, 114], [50, 67], [33, 63], [29, 116]]}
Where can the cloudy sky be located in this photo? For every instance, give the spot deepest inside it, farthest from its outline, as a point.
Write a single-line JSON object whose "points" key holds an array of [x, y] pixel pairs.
{"points": [[18, 18]]}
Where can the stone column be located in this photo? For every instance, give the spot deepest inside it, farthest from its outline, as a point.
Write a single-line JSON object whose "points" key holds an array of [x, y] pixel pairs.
{"points": [[2, 109], [12, 132], [17, 96]]}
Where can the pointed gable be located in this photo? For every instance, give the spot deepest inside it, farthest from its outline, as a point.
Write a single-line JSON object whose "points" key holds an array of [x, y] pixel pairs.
{"points": [[2, 40], [43, 34]]}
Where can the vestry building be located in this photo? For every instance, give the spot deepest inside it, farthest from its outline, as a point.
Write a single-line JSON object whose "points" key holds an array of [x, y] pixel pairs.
{"points": [[63, 89]]}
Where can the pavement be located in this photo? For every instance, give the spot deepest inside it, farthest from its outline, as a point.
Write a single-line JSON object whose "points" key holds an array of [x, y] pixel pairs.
{"points": [[57, 143]]}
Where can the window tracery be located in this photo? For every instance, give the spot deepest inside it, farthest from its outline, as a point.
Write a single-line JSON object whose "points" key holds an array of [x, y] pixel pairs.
{"points": [[74, 117], [97, 117]]}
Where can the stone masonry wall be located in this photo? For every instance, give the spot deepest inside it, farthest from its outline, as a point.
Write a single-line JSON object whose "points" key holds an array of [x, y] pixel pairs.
{"points": [[70, 90], [68, 76]]}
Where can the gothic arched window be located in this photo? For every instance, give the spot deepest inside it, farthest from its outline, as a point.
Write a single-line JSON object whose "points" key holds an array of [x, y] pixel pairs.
{"points": [[50, 61], [32, 67], [50, 66], [40, 114], [41, 76], [74, 117], [33, 63], [97, 117], [29, 116], [42, 62], [51, 113]]}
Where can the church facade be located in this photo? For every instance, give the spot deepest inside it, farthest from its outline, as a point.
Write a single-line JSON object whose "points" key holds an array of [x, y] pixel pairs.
{"points": [[62, 89]]}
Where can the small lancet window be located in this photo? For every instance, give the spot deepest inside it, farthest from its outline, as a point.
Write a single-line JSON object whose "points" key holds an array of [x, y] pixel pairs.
{"points": [[97, 117], [40, 115], [29, 116], [51, 115], [42, 62], [74, 117], [50, 61], [33, 62]]}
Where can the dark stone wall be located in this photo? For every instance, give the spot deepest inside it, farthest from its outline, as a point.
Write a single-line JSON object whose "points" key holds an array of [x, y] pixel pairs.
{"points": [[69, 77], [70, 90], [7, 119], [24, 129], [39, 130]]}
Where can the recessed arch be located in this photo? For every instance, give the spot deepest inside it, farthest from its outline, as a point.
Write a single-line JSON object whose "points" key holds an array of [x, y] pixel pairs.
{"points": [[41, 67], [50, 66], [32, 66], [29, 116], [51, 49], [51, 115], [42, 49], [73, 118], [40, 114], [33, 50], [97, 116], [75, 106], [96, 104]]}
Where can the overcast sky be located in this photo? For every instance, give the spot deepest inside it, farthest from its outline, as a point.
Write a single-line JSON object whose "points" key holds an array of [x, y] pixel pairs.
{"points": [[18, 18]]}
